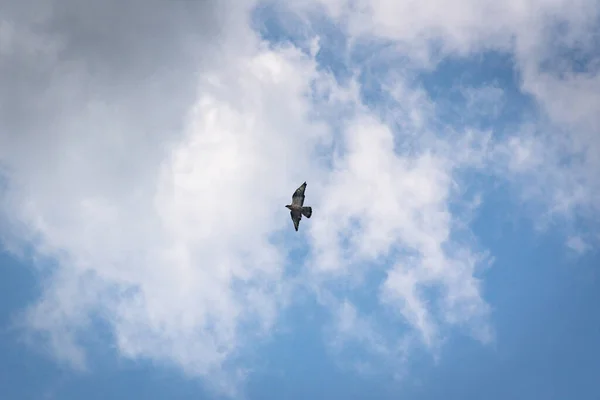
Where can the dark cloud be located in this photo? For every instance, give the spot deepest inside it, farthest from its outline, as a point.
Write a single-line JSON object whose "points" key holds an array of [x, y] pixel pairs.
{"points": [[69, 69]]}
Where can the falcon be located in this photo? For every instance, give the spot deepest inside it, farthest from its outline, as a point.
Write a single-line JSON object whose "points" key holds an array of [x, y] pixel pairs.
{"points": [[297, 209]]}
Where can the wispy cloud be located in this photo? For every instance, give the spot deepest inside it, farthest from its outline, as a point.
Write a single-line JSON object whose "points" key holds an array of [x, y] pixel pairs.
{"points": [[577, 244]]}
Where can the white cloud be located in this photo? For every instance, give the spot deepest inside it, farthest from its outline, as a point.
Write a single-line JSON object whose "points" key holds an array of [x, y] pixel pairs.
{"points": [[381, 205], [164, 235]]}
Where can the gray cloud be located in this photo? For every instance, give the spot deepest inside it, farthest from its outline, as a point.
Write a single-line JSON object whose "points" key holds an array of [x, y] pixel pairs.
{"points": [[132, 63]]}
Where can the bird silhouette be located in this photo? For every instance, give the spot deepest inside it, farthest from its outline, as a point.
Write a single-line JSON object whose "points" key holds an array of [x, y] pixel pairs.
{"points": [[297, 208]]}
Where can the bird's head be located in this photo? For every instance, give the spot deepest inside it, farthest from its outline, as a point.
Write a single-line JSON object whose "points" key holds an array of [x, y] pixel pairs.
{"points": [[288, 206]]}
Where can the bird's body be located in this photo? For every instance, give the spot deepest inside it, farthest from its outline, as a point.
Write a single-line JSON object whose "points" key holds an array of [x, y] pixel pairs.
{"points": [[297, 208]]}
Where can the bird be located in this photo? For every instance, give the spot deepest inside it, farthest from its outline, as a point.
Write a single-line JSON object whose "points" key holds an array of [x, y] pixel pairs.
{"points": [[297, 208]]}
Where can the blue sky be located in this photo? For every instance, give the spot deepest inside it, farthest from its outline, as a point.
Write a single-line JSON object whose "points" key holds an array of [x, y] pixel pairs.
{"points": [[449, 153]]}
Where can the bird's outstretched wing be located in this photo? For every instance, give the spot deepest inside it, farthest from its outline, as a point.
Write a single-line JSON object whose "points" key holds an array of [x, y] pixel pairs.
{"points": [[296, 217], [298, 196]]}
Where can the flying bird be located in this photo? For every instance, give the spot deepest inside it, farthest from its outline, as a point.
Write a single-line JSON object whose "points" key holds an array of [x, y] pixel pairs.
{"points": [[297, 209]]}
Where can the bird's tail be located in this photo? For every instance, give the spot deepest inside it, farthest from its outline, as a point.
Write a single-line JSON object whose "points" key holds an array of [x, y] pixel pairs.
{"points": [[307, 211]]}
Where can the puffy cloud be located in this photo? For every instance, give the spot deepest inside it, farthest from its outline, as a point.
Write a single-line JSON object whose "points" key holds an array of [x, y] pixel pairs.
{"points": [[150, 169], [390, 209]]}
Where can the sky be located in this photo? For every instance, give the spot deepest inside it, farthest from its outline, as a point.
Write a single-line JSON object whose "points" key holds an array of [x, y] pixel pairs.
{"points": [[451, 152]]}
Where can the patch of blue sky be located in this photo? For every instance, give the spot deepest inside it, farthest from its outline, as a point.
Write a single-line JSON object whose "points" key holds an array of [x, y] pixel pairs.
{"points": [[456, 77], [18, 365], [278, 26], [539, 307], [301, 363]]}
